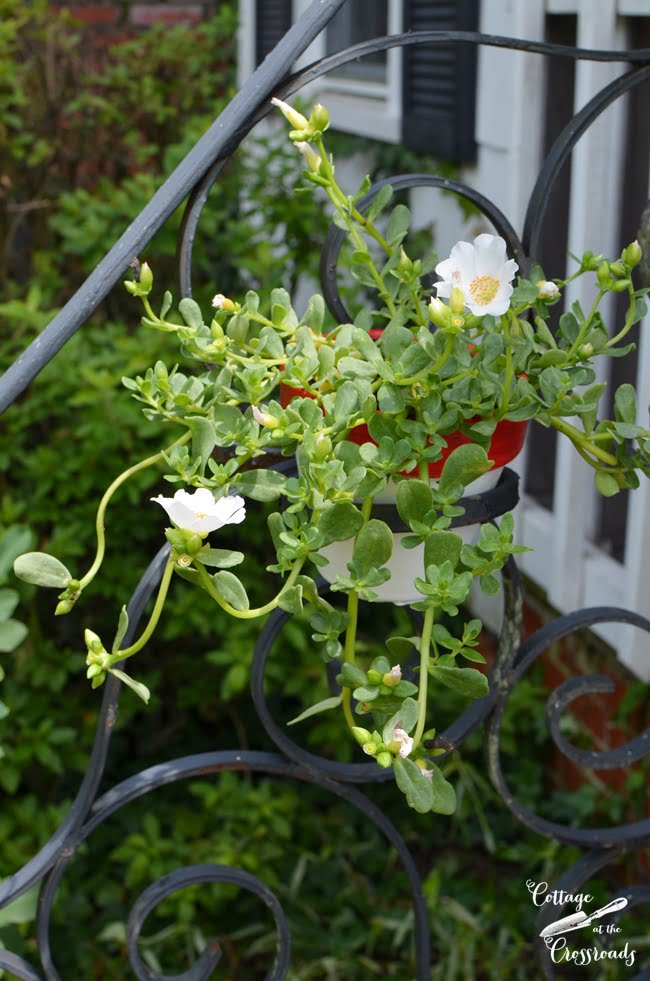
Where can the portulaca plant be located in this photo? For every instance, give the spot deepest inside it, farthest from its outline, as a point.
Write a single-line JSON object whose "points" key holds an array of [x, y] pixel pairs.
{"points": [[411, 403]]}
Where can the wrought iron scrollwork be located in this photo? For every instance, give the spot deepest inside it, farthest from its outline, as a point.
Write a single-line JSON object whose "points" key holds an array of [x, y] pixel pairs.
{"points": [[194, 177]]}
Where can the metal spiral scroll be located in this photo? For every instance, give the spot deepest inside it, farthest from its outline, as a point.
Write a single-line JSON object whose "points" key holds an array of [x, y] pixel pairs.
{"points": [[194, 177]]}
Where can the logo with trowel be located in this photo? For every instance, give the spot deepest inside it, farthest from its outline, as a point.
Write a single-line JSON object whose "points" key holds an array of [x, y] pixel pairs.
{"points": [[578, 920], [562, 936]]}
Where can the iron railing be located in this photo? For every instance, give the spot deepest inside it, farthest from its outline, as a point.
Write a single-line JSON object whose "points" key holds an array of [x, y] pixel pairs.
{"points": [[192, 180]]}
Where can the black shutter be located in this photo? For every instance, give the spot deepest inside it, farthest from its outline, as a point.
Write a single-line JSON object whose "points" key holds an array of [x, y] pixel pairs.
{"points": [[439, 83], [272, 21]]}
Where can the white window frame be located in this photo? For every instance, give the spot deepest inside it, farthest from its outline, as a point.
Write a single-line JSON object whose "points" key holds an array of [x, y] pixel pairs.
{"points": [[372, 109]]}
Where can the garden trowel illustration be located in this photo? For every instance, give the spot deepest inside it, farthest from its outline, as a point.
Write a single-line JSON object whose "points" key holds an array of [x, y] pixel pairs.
{"points": [[582, 919]]}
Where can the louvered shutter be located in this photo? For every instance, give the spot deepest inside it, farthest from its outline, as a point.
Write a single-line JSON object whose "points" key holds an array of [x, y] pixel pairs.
{"points": [[439, 83], [273, 18]]}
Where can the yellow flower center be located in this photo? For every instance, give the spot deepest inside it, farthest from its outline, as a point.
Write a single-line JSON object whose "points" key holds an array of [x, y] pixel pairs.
{"points": [[200, 514], [484, 289]]}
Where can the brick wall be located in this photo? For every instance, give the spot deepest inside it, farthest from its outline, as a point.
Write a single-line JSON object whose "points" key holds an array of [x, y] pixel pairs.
{"points": [[121, 18]]}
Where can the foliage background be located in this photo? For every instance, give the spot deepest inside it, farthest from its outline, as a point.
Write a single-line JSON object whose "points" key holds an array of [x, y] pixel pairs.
{"points": [[87, 139]]}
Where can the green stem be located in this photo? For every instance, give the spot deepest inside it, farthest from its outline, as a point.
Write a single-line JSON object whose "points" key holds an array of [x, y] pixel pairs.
{"points": [[348, 651], [155, 615], [507, 381], [351, 630], [425, 643], [581, 443], [628, 321], [103, 504], [208, 585], [585, 327]]}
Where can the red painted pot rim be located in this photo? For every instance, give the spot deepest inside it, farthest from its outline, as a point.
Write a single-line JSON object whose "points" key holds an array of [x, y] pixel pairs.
{"points": [[506, 442]]}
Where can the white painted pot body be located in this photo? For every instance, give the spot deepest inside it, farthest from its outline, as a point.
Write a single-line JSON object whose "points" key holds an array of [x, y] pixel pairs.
{"points": [[405, 564]]}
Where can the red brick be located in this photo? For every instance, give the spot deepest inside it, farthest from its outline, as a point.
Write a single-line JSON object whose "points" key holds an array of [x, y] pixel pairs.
{"points": [[143, 15], [97, 15]]}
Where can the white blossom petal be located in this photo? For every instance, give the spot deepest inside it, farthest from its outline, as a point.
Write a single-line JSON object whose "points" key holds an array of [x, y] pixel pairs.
{"points": [[403, 740], [199, 512], [482, 272]]}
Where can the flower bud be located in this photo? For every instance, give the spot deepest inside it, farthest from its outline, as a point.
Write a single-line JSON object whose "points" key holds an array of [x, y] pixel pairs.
{"points": [[405, 265], [319, 118], [146, 278], [603, 274], [265, 418], [384, 760], [632, 255], [617, 268], [586, 350], [546, 290], [393, 677], [620, 285], [221, 302], [312, 159], [439, 312], [457, 301], [93, 643], [93, 670], [370, 748], [322, 447], [590, 261], [362, 736], [374, 677], [64, 606], [297, 120]]}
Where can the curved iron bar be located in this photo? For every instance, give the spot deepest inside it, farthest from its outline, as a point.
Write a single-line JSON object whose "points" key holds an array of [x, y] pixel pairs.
{"points": [[18, 967], [611, 759], [206, 764], [43, 861], [570, 882], [564, 144], [623, 835], [210, 957]]}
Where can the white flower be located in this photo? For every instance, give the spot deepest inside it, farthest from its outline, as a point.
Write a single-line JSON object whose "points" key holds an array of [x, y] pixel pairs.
{"points": [[296, 118], [482, 272], [312, 159], [199, 512], [396, 673], [401, 742], [547, 290]]}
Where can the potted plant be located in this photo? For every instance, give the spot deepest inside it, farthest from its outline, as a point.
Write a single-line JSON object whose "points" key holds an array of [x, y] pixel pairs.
{"points": [[417, 404]]}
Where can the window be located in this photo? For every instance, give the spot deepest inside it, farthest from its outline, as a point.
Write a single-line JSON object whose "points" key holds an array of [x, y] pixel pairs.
{"points": [[357, 22]]}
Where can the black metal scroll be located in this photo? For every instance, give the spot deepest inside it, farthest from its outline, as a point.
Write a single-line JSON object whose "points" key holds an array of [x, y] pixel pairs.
{"points": [[194, 177]]}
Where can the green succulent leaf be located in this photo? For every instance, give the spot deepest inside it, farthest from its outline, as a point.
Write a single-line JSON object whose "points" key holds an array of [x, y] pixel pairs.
{"points": [[122, 626], [231, 590], [141, 690], [42, 569], [463, 465], [340, 522], [465, 681], [327, 703], [417, 789]]}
